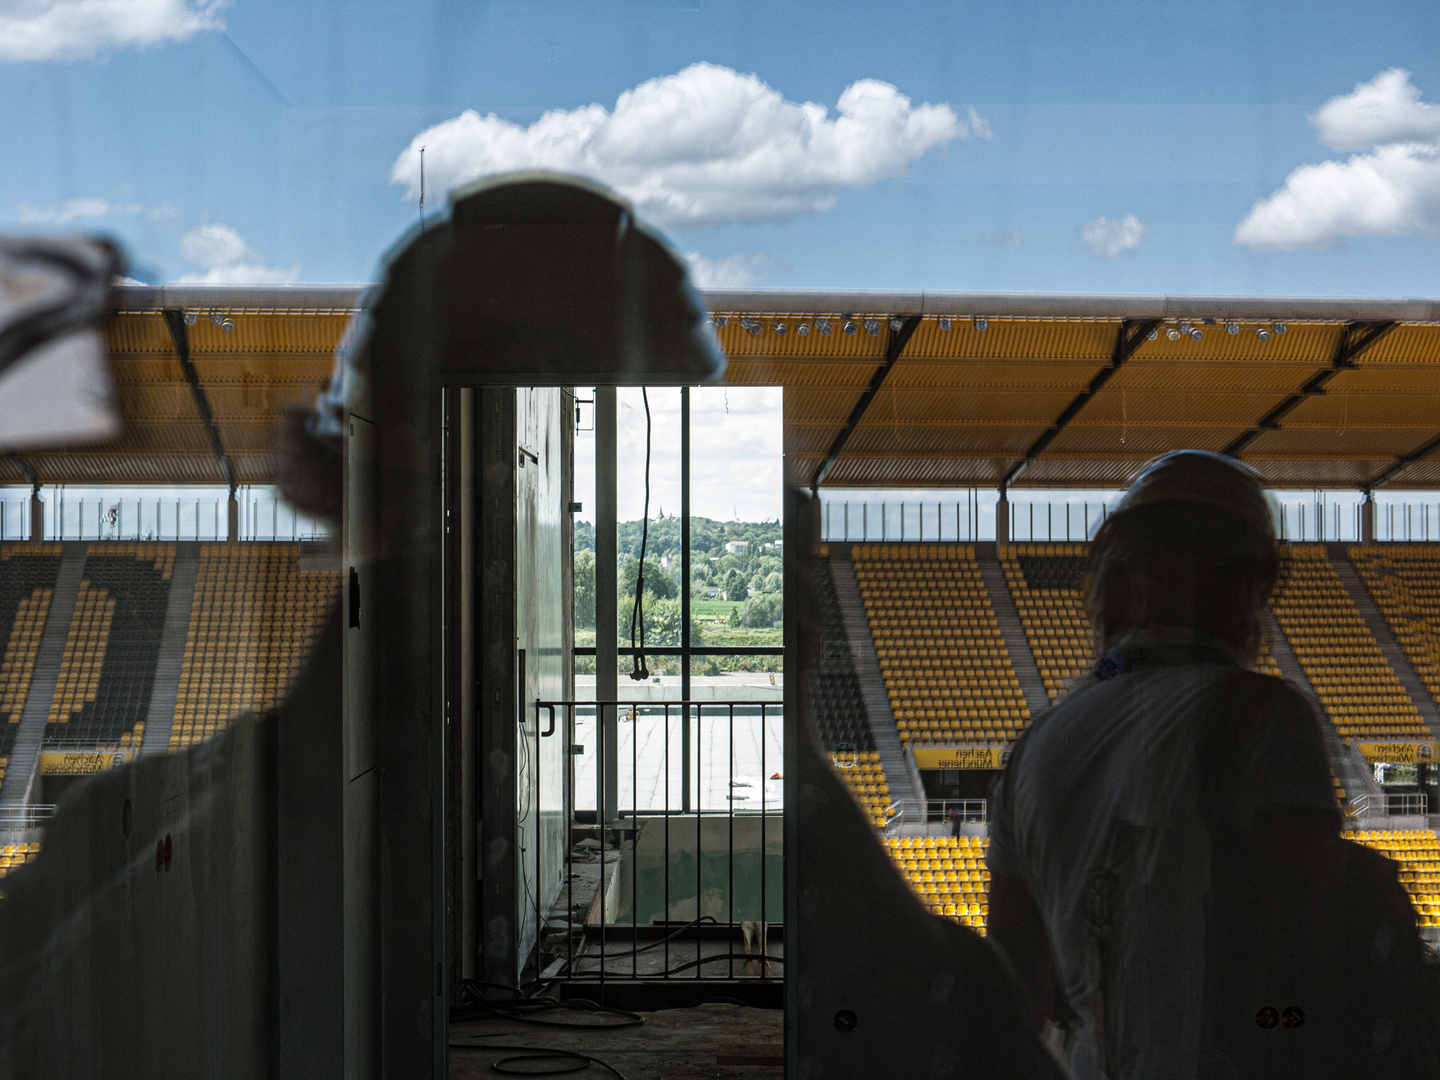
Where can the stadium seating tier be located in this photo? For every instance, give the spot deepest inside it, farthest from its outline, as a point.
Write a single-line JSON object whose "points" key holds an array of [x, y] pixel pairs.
{"points": [[1045, 582], [107, 671], [253, 621], [27, 583], [1404, 580], [946, 667], [1418, 853], [948, 874], [1339, 655]]}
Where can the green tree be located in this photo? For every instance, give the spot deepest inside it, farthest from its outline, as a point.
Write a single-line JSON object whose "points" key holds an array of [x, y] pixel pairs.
{"points": [[662, 622], [736, 587], [658, 583], [585, 589], [762, 610]]}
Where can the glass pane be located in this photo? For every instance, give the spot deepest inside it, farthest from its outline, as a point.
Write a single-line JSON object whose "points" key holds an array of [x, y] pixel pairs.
{"points": [[736, 543]]}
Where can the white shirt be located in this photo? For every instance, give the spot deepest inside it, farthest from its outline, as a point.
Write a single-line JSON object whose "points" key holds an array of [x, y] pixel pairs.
{"points": [[1102, 811]]}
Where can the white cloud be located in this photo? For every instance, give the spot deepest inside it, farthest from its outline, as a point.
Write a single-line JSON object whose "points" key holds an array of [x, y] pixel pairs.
{"points": [[1385, 110], [73, 29], [729, 272], [707, 146], [227, 259], [1108, 238], [736, 454], [63, 213], [1393, 189]]}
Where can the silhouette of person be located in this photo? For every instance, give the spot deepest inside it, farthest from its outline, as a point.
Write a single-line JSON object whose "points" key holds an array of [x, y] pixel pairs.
{"points": [[1168, 876]]}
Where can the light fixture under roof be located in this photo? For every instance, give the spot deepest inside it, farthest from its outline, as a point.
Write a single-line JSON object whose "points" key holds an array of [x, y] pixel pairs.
{"points": [[1154, 335], [722, 320], [1232, 328], [227, 324], [1278, 327], [896, 322], [1262, 333], [780, 327], [823, 325], [1196, 334], [191, 318], [802, 328], [850, 326], [943, 322], [872, 327], [981, 323], [1172, 333]]}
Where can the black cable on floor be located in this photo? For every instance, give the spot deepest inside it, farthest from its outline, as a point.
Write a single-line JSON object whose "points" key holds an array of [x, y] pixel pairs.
{"points": [[575, 1061]]}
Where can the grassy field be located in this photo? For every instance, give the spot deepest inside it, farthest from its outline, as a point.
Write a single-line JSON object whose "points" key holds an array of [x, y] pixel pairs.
{"points": [[712, 610]]}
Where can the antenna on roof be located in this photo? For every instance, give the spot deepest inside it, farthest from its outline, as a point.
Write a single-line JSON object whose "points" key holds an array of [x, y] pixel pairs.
{"points": [[422, 189]]}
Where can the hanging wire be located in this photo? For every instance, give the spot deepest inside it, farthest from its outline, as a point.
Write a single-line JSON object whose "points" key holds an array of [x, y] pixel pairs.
{"points": [[640, 672]]}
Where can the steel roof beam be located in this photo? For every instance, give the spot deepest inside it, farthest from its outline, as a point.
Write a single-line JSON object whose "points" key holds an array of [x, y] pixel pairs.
{"points": [[1403, 463], [893, 348], [180, 335], [1129, 338], [1351, 345]]}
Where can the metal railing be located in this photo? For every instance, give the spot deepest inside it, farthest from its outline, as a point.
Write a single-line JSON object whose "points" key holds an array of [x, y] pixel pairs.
{"points": [[688, 848], [1388, 805], [937, 812], [1320, 517], [130, 515], [15, 818]]}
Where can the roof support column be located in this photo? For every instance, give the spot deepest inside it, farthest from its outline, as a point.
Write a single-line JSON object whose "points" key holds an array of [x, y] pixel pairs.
{"points": [[37, 508], [1002, 518], [1367, 518]]}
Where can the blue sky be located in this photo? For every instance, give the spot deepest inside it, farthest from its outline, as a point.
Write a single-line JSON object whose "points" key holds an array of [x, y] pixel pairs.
{"points": [[1089, 148]]}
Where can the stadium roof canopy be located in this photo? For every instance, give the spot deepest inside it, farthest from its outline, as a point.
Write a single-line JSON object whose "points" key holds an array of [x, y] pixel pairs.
{"points": [[1054, 390]]}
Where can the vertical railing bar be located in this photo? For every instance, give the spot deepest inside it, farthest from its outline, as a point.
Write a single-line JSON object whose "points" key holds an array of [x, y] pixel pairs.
{"points": [[730, 861], [699, 836], [600, 804], [764, 779], [634, 841], [570, 853], [539, 831], [665, 923]]}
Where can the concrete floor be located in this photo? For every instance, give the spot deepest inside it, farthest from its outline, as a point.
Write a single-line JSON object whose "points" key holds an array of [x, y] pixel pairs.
{"points": [[728, 1041]]}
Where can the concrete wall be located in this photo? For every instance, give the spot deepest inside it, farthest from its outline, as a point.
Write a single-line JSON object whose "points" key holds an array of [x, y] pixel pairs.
{"points": [[139, 944]]}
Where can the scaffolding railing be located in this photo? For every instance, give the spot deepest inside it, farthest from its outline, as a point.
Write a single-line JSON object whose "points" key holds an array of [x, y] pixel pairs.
{"points": [[688, 869]]}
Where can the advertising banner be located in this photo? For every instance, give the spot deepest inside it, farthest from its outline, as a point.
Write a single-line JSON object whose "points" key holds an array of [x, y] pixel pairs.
{"points": [[961, 757], [81, 762], [1397, 753]]}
